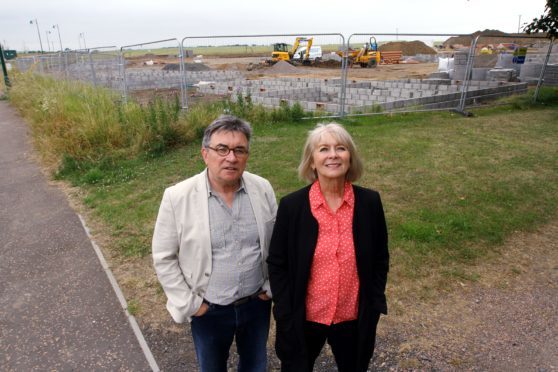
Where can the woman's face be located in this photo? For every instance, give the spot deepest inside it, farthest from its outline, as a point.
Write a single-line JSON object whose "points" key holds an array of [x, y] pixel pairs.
{"points": [[330, 159]]}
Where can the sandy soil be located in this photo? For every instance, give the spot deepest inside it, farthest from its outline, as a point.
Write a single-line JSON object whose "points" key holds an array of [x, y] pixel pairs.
{"points": [[255, 67], [382, 72]]}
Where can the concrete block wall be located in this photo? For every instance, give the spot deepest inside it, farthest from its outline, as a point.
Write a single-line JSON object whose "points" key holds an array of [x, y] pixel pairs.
{"points": [[265, 87], [477, 93], [152, 79], [459, 65], [479, 73], [551, 75], [306, 105], [394, 95], [540, 55], [389, 95], [501, 74], [530, 72]]}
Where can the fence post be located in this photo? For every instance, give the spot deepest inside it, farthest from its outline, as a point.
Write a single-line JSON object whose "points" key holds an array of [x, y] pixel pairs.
{"points": [[468, 73], [66, 64], [4, 69], [543, 70], [92, 69], [344, 64], [123, 76], [183, 87]]}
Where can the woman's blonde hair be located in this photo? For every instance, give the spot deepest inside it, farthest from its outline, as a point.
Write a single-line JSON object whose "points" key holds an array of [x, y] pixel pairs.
{"points": [[343, 137]]}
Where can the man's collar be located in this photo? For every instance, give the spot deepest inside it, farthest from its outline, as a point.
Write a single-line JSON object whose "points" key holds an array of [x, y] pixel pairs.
{"points": [[210, 191]]}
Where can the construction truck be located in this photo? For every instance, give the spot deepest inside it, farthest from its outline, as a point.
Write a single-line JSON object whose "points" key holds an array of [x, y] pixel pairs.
{"points": [[299, 53], [367, 56]]}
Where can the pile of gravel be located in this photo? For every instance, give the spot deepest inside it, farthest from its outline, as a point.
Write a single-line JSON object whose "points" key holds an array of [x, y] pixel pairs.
{"points": [[283, 67]]}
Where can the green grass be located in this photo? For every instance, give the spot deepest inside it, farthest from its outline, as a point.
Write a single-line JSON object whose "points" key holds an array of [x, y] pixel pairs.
{"points": [[220, 51], [453, 187], [133, 307]]}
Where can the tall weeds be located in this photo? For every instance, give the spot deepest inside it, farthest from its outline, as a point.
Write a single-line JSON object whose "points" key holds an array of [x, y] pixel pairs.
{"points": [[76, 123], [77, 127]]}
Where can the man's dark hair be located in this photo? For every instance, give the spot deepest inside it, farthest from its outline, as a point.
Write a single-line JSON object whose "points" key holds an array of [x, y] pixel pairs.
{"points": [[227, 123]]}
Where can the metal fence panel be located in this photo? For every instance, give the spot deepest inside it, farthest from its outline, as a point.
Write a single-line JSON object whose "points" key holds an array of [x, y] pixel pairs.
{"points": [[501, 65], [150, 70], [370, 73], [306, 70], [388, 72]]}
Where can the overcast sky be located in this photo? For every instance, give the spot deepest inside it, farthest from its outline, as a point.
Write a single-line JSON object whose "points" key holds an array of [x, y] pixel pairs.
{"points": [[126, 22]]}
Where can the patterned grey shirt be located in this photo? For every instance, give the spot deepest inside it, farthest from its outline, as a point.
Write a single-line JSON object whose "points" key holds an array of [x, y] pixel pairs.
{"points": [[235, 246]]}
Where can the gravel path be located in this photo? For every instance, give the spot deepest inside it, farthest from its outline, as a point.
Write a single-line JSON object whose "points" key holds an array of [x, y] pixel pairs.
{"points": [[506, 321]]}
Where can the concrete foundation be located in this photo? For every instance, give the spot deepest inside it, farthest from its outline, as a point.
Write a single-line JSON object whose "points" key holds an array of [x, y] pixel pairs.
{"points": [[363, 96]]}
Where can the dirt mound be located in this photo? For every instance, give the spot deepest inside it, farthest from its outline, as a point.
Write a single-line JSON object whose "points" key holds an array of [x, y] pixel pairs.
{"points": [[187, 67], [330, 63], [283, 67], [409, 48], [484, 40]]}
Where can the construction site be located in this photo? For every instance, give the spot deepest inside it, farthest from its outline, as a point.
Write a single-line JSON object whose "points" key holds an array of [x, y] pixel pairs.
{"points": [[366, 76]]}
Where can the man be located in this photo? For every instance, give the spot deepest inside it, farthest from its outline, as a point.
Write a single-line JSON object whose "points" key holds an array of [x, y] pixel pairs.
{"points": [[210, 244]]}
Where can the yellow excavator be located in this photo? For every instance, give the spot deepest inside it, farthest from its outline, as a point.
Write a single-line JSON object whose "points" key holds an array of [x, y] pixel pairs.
{"points": [[281, 51], [367, 56]]}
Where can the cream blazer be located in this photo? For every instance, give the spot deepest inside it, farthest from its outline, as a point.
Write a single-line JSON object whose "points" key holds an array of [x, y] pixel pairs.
{"points": [[181, 244]]}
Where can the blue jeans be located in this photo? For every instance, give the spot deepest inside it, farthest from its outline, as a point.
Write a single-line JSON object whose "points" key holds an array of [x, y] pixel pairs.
{"points": [[214, 332]]}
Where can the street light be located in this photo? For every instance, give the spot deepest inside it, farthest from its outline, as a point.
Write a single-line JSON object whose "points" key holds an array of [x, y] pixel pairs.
{"points": [[82, 35], [48, 42], [38, 32], [59, 39]]}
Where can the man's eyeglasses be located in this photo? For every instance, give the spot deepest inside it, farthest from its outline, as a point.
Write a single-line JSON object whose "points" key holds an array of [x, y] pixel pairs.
{"points": [[225, 150]]}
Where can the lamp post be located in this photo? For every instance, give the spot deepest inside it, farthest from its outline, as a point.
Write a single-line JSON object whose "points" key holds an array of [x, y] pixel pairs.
{"points": [[34, 21], [59, 39], [48, 42], [79, 41], [82, 35], [519, 24]]}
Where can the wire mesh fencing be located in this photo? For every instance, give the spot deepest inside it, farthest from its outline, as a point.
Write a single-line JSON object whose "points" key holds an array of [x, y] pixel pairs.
{"points": [[150, 71], [320, 74], [281, 70]]}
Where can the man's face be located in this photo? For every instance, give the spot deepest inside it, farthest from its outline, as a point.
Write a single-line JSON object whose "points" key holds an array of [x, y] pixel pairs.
{"points": [[225, 170]]}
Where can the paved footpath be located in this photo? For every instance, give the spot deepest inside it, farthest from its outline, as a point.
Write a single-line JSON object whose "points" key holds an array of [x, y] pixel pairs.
{"points": [[58, 310]]}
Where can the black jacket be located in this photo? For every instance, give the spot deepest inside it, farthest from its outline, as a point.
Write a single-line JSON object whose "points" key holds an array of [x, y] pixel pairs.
{"points": [[290, 258]]}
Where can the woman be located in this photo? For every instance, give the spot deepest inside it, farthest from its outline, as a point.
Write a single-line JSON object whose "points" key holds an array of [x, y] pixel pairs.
{"points": [[328, 259]]}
